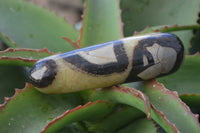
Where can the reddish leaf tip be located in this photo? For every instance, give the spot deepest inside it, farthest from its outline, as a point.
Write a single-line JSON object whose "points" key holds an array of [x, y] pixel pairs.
{"points": [[9, 39], [197, 53], [83, 21], [137, 33], [73, 44]]}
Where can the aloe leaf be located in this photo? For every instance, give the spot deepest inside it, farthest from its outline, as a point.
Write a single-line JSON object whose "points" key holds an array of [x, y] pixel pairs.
{"points": [[101, 22], [89, 111], [73, 128], [29, 110], [22, 56], [189, 73], [119, 119], [140, 126], [173, 108], [31, 26], [136, 15], [135, 98], [16, 75]]}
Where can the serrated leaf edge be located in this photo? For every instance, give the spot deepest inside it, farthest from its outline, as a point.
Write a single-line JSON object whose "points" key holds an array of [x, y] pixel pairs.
{"points": [[155, 84], [68, 112], [168, 28], [45, 50], [8, 99]]}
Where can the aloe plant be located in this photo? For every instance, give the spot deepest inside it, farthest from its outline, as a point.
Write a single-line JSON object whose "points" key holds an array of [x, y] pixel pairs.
{"points": [[168, 104]]}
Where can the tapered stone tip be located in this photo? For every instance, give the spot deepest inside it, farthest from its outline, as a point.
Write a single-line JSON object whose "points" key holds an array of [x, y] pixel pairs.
{"points": [[43, 73]]}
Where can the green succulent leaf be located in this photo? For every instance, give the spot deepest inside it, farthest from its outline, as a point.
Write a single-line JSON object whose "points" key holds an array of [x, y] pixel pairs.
{"points": [[173, 108], [22, 57], [186, 79], [121, 109], [30, 111], [119, 119], [136, 99], [31, 26], [135, 14], [140, 126], [89, 111], [101, 22]]}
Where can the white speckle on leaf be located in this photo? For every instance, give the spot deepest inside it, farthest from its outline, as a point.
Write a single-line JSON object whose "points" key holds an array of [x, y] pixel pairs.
{"points": [[12, 10], [23, 126], [185, 113]]}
